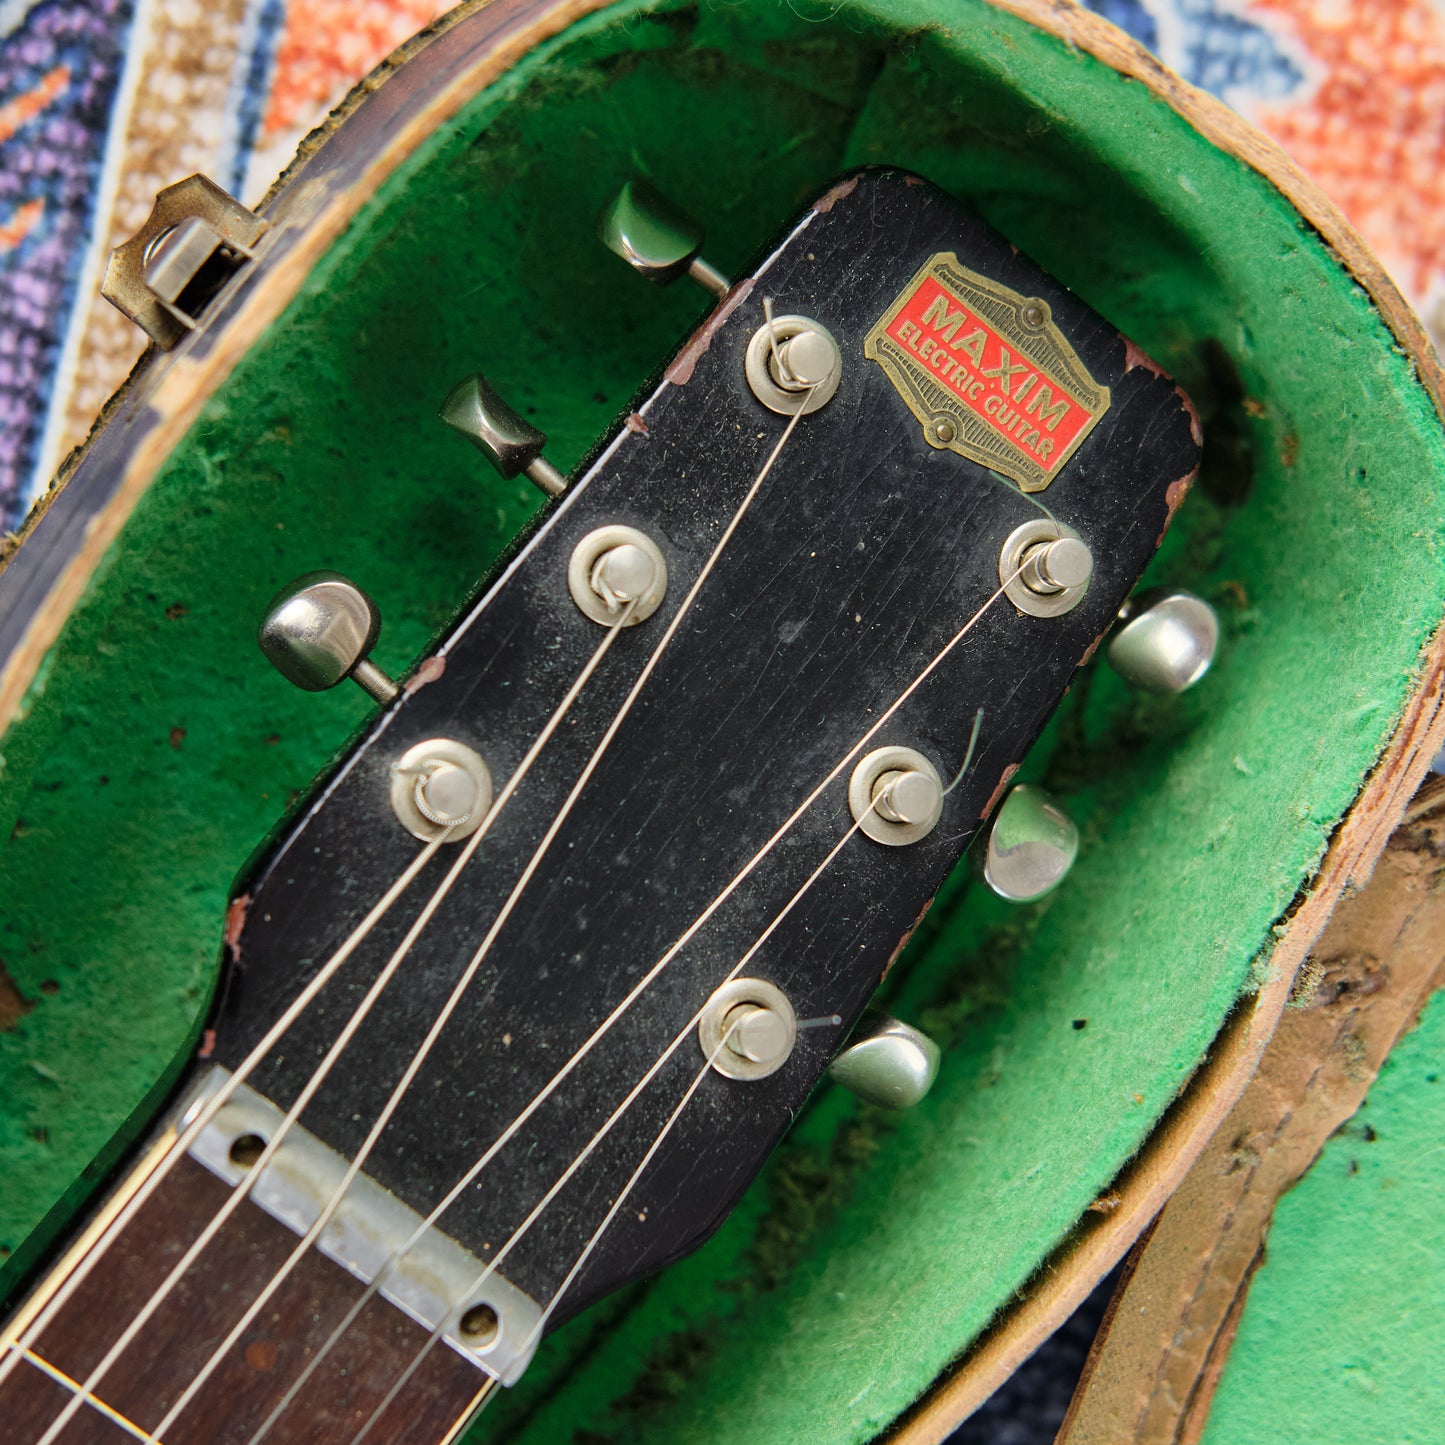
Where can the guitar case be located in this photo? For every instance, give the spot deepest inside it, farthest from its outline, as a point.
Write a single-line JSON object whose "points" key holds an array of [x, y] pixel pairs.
{"points": [[886, 1272]]}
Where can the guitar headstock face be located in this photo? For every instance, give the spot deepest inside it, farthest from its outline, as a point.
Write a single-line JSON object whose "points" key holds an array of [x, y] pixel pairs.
{"points": [[686, 827]]}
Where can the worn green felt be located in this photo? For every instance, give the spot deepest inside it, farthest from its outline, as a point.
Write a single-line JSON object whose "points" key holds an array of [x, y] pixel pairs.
{"points": [[1339, 1343], [872, 1250]]}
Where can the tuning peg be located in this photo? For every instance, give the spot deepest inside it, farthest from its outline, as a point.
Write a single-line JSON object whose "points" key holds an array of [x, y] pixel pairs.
{"points": [[656, 239], [887, 1062], [319, 630], [1032, 845], [510, 442], [1166, 642]]}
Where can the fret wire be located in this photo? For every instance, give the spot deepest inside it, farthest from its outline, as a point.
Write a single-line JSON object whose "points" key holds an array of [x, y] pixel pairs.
{"points": [[647, 979], [495, 1263], [647, 1158], [241, 1191], [84, 1395], [482, 1398]]}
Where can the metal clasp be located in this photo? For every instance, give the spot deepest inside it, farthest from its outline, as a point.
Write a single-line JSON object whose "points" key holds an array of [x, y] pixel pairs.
{"points": [[196, 238]]}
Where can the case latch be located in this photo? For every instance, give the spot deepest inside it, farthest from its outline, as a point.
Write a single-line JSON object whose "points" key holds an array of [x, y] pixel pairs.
{"points": [[195, 239]]}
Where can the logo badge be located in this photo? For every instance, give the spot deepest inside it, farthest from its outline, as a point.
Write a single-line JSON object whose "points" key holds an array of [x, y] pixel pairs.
{"points": [[987, 372]]}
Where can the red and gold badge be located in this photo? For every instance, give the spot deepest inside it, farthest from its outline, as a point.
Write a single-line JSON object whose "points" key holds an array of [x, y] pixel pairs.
{"points": [[987, 372]]}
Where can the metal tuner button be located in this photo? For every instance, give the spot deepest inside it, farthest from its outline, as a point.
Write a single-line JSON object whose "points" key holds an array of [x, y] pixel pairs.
{"points": [[1031, 846], [320, 630], [1165, 642], [656, 238], [887, 1062], [509, 442]]}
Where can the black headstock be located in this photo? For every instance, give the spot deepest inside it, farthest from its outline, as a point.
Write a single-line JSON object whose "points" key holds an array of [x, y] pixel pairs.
{"points": [[978, 402]]}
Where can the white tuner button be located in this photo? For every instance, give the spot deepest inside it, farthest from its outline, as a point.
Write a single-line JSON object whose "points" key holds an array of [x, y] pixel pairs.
{"points": [[1166, 642]]}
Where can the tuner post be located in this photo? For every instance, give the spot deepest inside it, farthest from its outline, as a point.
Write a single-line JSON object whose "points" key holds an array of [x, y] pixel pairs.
{"points": [[895, 796], [510, 442], [656, 238], [1045, 568], [319, 630], [614, 568], [792, 363], [441, 786], [747, 1029]]}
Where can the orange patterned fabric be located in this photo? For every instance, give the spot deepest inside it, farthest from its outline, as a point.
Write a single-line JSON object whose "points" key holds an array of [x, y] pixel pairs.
{"points": [[1371, 127], [326, 46]]}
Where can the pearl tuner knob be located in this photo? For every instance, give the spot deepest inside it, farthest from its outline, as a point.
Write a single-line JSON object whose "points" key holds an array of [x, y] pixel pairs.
{"points": [[1166, 642]]}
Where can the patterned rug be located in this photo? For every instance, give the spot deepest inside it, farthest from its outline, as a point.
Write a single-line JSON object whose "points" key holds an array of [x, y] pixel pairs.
{"points": [[102, 102]]}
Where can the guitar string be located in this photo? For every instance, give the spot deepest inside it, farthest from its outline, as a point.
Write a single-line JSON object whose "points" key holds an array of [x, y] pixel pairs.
{"points": [[736, 882], [187, 1136], [495, 1263], [384, 1273], [243, 1189], [377, 1283], [637, 1173], [476, 1169], [215, 1103], [767, 848], [12, 1349], [452, 1002]]}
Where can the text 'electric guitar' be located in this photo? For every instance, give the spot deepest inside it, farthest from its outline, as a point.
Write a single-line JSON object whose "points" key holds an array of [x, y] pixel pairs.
{"points": [[545, 968]]}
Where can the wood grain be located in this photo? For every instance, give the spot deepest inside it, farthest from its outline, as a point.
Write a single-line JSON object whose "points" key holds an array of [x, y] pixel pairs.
{"points": [[1151, 1376], [179, 1339]]}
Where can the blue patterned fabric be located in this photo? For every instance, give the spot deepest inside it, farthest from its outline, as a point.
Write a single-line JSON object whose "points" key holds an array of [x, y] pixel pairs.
{"points": [[60, 68]]}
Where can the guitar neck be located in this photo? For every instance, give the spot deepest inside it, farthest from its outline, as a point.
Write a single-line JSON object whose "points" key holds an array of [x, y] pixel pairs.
{"points": [[375, 1353]]}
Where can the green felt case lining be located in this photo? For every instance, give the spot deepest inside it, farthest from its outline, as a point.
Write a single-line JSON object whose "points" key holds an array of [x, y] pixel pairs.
{"points": [[1340, 1337], [157, 750]]}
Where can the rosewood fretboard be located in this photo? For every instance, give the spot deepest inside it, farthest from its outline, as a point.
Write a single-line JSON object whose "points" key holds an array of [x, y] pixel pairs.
{"points": [[335, 1403]]}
